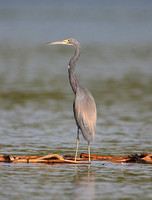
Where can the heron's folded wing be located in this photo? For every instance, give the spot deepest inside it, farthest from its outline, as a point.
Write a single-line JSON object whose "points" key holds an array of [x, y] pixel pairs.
{"points": [[85, 113]]}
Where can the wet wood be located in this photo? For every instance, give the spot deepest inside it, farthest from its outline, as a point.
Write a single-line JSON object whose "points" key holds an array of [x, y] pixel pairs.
{"points": [[141, 158], [52, 158], [136, 158], [83, 159]]}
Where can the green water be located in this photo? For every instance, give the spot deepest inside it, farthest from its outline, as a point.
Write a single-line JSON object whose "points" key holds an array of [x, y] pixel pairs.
{"points": [[36, 116]]}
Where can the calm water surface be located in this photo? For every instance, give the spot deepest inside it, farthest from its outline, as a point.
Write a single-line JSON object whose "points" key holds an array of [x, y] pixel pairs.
{"points": [[36, 116]]}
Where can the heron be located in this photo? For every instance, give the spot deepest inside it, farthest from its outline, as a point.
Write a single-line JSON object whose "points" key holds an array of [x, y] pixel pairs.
{"points": [[84, 106]]}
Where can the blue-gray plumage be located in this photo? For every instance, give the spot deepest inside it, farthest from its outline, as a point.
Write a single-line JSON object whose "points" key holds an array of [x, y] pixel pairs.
{"points": [[84, 106]]}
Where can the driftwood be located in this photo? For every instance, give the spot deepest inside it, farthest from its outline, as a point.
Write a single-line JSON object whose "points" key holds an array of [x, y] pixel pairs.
{"points": [[83, 159], [49, 159], [145, 158]]}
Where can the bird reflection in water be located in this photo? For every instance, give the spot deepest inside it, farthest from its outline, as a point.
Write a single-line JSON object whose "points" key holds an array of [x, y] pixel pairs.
{"points": [[84, 183]]}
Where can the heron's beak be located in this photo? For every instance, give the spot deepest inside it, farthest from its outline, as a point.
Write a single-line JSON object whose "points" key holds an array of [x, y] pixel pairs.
{"points": [[59, 42]]}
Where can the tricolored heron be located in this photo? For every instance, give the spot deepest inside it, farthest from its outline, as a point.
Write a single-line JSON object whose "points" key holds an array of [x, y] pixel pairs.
{"points": [[84, 106]]}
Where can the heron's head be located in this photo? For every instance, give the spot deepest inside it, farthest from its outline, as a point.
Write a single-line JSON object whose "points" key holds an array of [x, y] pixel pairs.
{"points": [[69, 41]]}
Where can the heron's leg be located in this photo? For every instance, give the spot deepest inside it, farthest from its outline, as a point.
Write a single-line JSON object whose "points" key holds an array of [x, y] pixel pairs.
{"points": [[77, 145], [89, 151]]}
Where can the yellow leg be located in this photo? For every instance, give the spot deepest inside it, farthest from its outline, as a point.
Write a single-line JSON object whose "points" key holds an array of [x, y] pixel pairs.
{"points": [[77, 146], [89, 151]]}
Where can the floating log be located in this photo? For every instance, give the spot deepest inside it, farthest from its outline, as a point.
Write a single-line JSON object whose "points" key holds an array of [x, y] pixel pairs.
{"points": [[52, 158], [145, 158], [83, 159]]}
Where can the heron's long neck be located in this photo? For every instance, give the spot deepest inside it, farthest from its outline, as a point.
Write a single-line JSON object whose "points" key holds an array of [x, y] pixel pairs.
{"points": [[71, 69]]}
